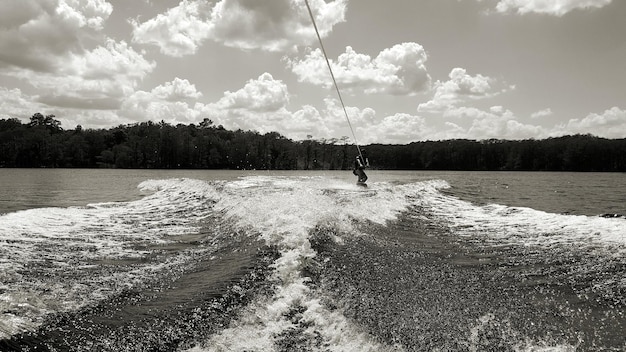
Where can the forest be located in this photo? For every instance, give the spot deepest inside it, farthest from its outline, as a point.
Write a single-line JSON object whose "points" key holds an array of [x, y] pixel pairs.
{"points": [[44, 143]]}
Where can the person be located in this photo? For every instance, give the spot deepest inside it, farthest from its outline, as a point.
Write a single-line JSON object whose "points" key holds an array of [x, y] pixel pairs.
{"points": [[361, 163]]}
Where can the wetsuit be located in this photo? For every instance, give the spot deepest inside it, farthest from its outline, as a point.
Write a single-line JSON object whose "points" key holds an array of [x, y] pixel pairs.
{"points": [[359, 166]]}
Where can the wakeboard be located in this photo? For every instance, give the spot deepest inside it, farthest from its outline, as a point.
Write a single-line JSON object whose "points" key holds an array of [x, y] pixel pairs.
{"points": [[362, 184]]}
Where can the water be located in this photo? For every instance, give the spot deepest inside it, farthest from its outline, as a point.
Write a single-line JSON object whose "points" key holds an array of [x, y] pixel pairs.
{"points": [[139, 260]]}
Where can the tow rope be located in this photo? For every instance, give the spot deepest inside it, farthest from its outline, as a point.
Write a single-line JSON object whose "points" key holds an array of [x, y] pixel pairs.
{"points": [[332, 75]]}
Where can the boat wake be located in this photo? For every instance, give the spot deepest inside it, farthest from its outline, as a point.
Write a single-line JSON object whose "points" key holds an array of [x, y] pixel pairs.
{"points": [[267, 263]]}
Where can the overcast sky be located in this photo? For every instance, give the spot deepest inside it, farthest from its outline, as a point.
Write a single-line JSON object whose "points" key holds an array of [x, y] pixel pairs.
{"points": [[408, 70]]}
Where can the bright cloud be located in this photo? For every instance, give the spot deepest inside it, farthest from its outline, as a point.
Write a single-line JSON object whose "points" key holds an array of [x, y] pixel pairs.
{"points": [[178, 89], [610, 124], [495, 123], [173, 102], [85, 13], [56, 46], [98, 79], [264, 94], [460, 88], [177, 32], [550, 7], [260, 105], [305, 122], [399, 70], [37, 34], [277, 25], [23, 106], [541, 113], [18, 104], [399, 128]]}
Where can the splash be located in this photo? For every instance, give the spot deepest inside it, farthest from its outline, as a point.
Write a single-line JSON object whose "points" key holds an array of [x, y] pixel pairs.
{"points": [[60, 259], [284, 211], [526, 226]]}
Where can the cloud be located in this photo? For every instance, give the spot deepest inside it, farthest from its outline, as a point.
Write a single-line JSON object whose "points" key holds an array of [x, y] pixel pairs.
{"points": [[277, 25], [260, 106], [56, 46], [497, 122], [399, 128], [105, 74], [85, 13], [178, 89], [549, 7], [610, 124], [307, 121], [177, 32], [23, 106], [264, 94], [20, 105], [399, 70], [173, 102], [541, 113], [37, 34], [460, 88], [369, 128]]}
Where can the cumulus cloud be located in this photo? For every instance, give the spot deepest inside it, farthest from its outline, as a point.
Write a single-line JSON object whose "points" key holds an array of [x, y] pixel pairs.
{"points": [[260, 105], [173, 102], [330, 123], [23, 106], [37, 34], [264, 94], [97, 78], [399, 128], [20, 105], [497, 122], [57, 47], [541, 113], [178, 89], [399, 70], [85, 13], [273, 25], [277, 25], [549, 7], [460, 88], [610, 124], [177, 32], [369, 127]]}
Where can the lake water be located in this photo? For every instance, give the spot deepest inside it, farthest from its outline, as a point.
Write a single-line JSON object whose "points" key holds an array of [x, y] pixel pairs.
{"points": [[165, 260]]}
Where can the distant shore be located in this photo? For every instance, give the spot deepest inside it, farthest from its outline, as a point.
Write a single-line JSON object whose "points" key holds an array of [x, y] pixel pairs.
{"points": [[150, 145]]}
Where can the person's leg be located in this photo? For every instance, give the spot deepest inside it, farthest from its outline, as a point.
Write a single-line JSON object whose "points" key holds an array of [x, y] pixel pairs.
{"points": [[362, 175]]}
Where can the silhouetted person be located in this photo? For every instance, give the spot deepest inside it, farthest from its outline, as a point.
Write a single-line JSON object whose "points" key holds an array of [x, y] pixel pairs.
{"points": [[360, 163]]}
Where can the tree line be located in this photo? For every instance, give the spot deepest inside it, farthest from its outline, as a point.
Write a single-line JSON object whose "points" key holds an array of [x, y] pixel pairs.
{"points": [[44, 143]]}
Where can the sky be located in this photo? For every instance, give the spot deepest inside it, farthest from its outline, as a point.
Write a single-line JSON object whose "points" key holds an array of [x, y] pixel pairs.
{"points": [[407, 70]]}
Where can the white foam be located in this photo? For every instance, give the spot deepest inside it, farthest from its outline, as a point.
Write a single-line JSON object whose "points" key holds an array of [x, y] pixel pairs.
{"points": [[488, 325], [283, 210], [524, 225], [48, 256]]}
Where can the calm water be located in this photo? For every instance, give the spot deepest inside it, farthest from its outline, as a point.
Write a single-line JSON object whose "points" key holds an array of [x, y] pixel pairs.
{"points": [[569, 193], [136, 260]]}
